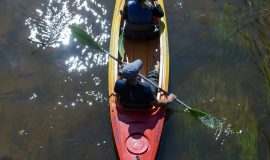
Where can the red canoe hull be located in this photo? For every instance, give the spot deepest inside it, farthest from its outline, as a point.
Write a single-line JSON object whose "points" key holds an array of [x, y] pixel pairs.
{"points": [[137, 133]]}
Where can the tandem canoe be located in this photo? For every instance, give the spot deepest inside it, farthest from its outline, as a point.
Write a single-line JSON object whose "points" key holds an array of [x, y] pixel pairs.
{"points": [[137, 133]]}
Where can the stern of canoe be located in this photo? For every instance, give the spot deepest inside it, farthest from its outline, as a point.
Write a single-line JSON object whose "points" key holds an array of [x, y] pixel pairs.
{"points": [[136, 133]]}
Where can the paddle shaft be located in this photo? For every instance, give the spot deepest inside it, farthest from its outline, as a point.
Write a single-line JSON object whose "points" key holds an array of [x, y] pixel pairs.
{"points": [[149, 81]]}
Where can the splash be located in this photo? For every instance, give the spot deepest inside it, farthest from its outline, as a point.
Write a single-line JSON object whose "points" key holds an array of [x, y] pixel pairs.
{"points": [[225, 132], [211, 122]]}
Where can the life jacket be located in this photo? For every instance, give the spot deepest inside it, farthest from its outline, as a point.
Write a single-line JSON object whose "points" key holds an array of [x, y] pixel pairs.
{"points": [[137, 14]]}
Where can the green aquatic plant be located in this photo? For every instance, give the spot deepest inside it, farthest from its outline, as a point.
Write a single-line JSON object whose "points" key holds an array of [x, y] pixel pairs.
{"points": [[247, 139], [260, 53], [229, 101], [248, 142], [246, 26]]}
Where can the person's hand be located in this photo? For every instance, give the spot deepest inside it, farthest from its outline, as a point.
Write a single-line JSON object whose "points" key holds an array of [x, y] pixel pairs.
{"points": [[171, 98]]}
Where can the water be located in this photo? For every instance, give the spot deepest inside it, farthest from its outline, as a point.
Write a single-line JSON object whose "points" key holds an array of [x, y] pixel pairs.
{"points": [[54, 103]]}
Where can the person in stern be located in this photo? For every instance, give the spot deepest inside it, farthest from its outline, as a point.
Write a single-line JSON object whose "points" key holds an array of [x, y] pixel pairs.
{"points": [[136, 94]]}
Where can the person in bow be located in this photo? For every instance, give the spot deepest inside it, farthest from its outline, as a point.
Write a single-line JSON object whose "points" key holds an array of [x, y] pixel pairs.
{"points": [[141, 19], [142, 11]]}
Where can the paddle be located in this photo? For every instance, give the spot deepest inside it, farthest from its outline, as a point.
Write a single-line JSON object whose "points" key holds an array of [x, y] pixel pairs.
{"points": [[207, 119], [121, 42]]}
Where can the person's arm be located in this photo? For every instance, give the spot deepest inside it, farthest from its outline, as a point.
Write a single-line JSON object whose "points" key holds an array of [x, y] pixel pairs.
{"points": [[118, 86], [157, 10], [164, 102]]}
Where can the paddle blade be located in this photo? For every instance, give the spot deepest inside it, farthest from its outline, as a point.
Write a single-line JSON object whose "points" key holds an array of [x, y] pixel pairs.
{"points": [[121, 43], [84, 38], [206, 119]]}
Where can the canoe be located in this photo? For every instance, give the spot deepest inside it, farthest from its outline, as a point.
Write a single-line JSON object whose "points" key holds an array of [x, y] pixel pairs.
{"points": [[137, 133]]}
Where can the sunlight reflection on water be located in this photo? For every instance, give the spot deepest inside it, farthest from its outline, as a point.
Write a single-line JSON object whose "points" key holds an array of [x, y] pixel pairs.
{"points": [[88, 97], [50, 26], [86, 60], [33, 96]]}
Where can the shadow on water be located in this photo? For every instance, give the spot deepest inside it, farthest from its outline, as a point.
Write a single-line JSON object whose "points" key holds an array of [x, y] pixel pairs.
{"points": [[5, 158]]}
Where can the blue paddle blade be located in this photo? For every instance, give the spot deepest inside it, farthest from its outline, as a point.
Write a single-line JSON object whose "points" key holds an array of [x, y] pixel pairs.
{"points": [[84, 38]]}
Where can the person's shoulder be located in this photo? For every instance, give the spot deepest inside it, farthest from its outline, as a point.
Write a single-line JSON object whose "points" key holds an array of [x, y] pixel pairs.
{"points": [[144, 85], [120, 82]]}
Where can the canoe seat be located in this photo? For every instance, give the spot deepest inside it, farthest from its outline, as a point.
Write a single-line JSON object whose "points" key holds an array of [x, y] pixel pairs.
{"points": [[140, 31]]}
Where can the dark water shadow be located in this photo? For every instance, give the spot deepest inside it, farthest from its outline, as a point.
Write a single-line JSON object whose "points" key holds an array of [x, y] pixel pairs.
{"points": [[6, 158]]}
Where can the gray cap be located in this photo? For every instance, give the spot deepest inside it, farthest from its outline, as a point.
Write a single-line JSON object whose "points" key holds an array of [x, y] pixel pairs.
{"points": [[131, 70]]}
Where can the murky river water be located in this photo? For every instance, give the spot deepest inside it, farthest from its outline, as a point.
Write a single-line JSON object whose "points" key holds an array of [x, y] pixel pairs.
{"points": [[54, 102]]}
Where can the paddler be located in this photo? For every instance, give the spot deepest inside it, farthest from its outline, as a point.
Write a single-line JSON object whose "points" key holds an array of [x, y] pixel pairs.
{"points": [[142, 11], [136, 94], [141, 16]]}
